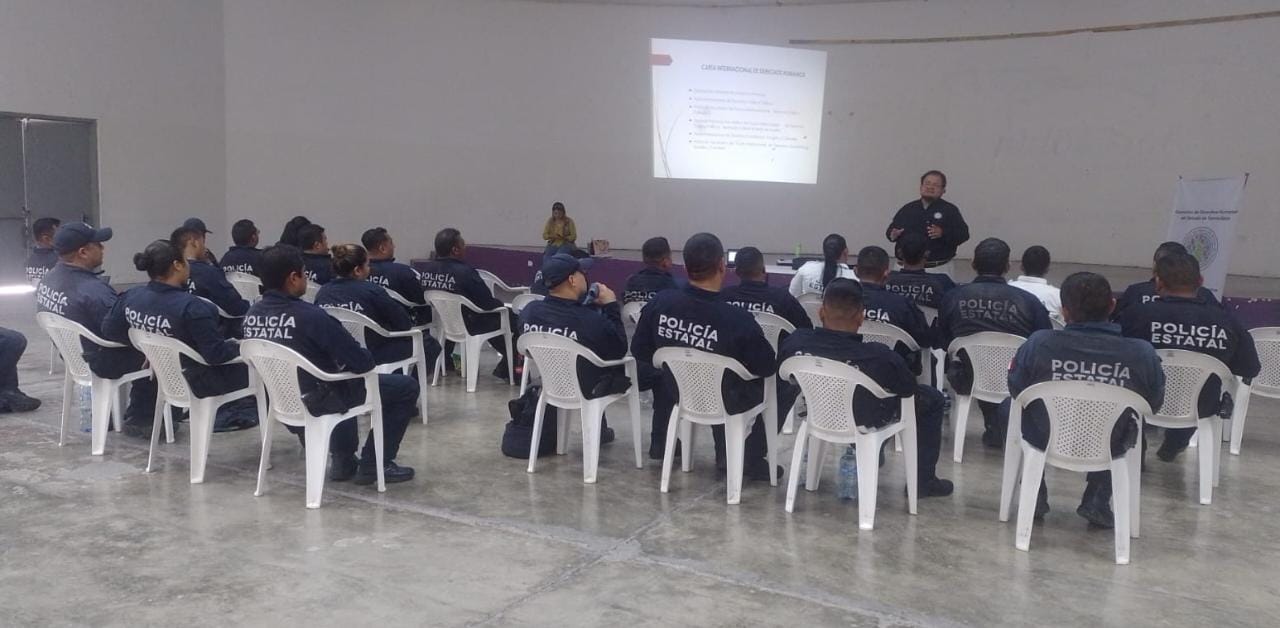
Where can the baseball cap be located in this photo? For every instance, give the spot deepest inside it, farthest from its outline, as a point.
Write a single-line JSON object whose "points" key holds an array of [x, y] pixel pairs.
{"points": [[557, 268], [74, 235], [197, 224]]}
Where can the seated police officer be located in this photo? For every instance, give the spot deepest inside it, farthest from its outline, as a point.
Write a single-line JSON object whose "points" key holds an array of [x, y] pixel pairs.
{"points": [[351, 290], [838, 339], [12, 345], [1089, 349], [449, 273], [385, 271], [924, 288], [315, 254], [1182, 319], [208, 281], [244, 254], [596, 325], [654, 277], [1145, 291], [987, 304], [697, 318], [42, 256], [284, 318], [197, 225], [884, 306], [754, 294], [72, 289], [164, 307]]}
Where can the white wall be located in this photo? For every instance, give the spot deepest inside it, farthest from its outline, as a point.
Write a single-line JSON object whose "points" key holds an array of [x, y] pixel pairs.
{"points": [[150, 72], [416, 114]]}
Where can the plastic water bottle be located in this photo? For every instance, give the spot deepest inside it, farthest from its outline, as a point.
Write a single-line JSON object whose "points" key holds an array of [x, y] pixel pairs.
{"points": [[847, 476], [84, 398]]}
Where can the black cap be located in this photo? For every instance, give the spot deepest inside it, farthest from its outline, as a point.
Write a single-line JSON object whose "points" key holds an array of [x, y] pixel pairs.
{"points": [[197, 224], [557, 268], [74, 235]]}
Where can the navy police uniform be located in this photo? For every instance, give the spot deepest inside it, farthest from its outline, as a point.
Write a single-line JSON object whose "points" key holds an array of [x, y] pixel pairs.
{"points": [[1145, 292], [759, 296], [83, 297], [1093, 352], [925, 289], [598, 329], [321, 339], [172, 312], [39, 262], [647, 283], [242, 259], [698, 319], [454, 275], [318, 267], [402, 280], [368, 299], [885, 306], [915, 217], [1199, 325], [887, 369], [12, 345]]}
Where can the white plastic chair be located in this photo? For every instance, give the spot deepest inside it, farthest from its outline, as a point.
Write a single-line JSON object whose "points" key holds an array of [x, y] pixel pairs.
{"points": [[1266, 384], [828, 388], [773, 326], [164, 355], [247, 285], [521, 300], [890, 335], [357, 324], [448, 307], [278, 366], [558, 359], [1081, 418], [811, 302], [990, 353], [698, 375], [630, 316], [492, 282], [221, 312], [313, 289], [66, 336], [1185, 374]]}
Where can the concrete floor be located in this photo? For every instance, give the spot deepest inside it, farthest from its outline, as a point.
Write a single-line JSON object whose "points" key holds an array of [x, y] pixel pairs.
{"points": [[477, 541]]}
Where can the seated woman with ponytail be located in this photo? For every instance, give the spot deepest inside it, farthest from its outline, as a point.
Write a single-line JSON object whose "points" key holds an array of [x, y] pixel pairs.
{"points": [[813, 277], [351, 290], [163, 306]]}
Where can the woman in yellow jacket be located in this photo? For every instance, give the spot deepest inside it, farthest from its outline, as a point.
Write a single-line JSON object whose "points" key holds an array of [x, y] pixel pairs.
{"points": [[560, 233]]}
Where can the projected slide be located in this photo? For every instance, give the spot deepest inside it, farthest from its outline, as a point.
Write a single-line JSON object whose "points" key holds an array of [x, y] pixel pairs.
{"points": [[736, 112]]}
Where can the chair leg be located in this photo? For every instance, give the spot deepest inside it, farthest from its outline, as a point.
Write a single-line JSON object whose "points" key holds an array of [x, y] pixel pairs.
{"points": [[511, 360], [535, 440], [793, 475], [686, 435], [1134, 459], [118, 406], [438, 368], [201, 432], [590, 416], [771, 443], [168, 424], [911, 453], [101, 412], [53, 356], [1032, 473], [734, 434], [422, 387], [156, 422], [961, 421], [264, 462], [562, 432], [1217, 450], [1238, 416], [1206, 436], [633, 402], [68, 386], [375, 424], [868, 480], [1120, 491], [673, 428], [817, 451], [1012, 465], [317, 436], [524, 377], [788, 426]]}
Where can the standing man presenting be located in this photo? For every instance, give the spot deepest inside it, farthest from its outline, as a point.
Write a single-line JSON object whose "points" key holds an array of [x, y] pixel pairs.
{"points": [[936, 219]]}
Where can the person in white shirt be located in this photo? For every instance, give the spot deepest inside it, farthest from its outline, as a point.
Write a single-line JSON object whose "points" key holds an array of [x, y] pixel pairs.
{"points": [[1035, 265], [813, 277]]}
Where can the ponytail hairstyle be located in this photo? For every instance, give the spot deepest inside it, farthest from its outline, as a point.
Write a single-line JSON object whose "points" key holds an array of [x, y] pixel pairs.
{"points": [[158, 258], [347, 258], [833, 246]]}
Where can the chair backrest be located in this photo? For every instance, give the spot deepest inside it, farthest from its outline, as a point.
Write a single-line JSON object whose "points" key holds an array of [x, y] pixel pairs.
{"points": [[773, 326], [1057, 323], [521, 300], [221, 312], [557, 361], [1185, 374], [165, 356], [313, 289], [447, 306], [930, 313], [247, 285], [990, 353], [355, 323], [828, 387], [278, 366], [811, 301], [490, 280], [631, 311], [66, 334], [1081, 417], [698, 375], [887, 335], [1267, 339]]}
